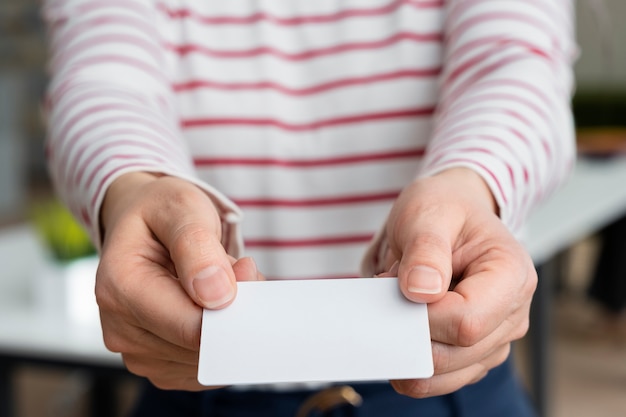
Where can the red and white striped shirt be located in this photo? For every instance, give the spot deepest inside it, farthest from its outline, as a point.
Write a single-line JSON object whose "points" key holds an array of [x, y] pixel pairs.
{"points": [[308, 117]]}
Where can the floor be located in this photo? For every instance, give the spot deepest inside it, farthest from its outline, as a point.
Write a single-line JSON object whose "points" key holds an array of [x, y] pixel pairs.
{"points": [[589, 351], [588, 361]]}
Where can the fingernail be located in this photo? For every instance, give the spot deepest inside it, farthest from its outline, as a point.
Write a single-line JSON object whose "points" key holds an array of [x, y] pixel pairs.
{"points": [[213, 287], [424, 280]]}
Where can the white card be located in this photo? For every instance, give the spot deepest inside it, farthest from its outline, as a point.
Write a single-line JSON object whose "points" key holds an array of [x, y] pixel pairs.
{"points": [[358, 329]]}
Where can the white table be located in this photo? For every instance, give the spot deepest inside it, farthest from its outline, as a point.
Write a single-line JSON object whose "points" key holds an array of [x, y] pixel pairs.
{"points": [[42, 330], [593, 197], [65, 326]]}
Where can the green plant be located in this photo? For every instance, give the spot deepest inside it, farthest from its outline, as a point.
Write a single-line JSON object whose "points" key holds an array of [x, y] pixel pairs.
{"points": [[65, 237]]}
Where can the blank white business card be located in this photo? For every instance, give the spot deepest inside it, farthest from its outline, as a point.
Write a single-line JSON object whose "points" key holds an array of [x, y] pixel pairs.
{"points": [[359, 329]]}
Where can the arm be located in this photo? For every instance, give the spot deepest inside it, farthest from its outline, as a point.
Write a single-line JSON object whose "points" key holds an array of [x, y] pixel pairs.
{"points": [[118, 160], [110, 106], [505, 99], [503, 140]]}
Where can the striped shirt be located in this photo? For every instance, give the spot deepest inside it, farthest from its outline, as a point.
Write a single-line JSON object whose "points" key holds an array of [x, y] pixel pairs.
{"points": [[305, 119]]}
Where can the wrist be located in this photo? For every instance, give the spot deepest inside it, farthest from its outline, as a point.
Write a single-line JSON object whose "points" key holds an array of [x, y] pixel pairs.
{"points": [[472, 184]]}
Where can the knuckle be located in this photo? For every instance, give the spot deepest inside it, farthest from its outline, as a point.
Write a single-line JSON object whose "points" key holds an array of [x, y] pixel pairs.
{"points": [[113, 342], [441, 357], [428, 238], [531, 282], [110, 286], [190, 335], [431, 245], [102, 293], [470, 330], [179, 195], [521, 330], [104, 298], [193, 237]]}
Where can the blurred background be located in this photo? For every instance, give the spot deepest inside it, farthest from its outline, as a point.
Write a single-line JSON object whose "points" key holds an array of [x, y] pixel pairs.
{"points": [[588, 343]]}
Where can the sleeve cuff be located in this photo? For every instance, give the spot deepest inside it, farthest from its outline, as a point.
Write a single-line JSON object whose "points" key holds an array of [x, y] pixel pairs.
{"points": [[230, 214]]}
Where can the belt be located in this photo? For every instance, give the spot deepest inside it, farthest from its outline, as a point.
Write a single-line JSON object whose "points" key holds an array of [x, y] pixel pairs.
{"points": [[328, 399]]}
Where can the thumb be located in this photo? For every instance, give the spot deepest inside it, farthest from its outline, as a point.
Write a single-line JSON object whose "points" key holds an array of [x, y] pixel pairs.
{"points": [[425, 268], [189, 227]]}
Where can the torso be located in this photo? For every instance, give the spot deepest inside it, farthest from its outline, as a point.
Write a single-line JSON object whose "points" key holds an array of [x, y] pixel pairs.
{"points": [[309, 115]]}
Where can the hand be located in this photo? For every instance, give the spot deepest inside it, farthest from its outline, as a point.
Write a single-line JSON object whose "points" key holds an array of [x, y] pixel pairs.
{"points": [[452, 251], [161, 262]]}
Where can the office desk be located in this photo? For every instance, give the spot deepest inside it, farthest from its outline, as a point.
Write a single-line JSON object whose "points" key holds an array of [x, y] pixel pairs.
{"points": [[593, 197]]}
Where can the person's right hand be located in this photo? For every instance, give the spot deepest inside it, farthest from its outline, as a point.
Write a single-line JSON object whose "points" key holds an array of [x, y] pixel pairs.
{"points": [[162, 261]]}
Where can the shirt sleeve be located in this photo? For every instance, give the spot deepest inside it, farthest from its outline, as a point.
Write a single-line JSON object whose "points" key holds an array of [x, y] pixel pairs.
{"points": [[504, 108], [110, 108], [505, 99]]}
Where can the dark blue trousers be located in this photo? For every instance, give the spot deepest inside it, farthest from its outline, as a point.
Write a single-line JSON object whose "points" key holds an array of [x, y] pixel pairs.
{"points": [[499, 394]]}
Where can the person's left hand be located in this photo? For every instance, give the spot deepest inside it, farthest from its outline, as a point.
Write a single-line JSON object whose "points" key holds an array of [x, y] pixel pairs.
{"points": [[451, 251]]}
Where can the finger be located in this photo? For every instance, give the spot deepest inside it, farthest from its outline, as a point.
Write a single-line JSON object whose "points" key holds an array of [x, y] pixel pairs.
{"points": [[449, 358], [135, 293], [245, 269], [449, 382], [481, 303], [164, 374], [392, 271], [425, 268], [129, 339], [390, 260], [187, 223]]}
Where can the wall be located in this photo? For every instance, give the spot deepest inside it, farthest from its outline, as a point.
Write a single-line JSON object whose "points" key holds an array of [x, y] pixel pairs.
{"points": [[22, 81], [601, 34]]}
